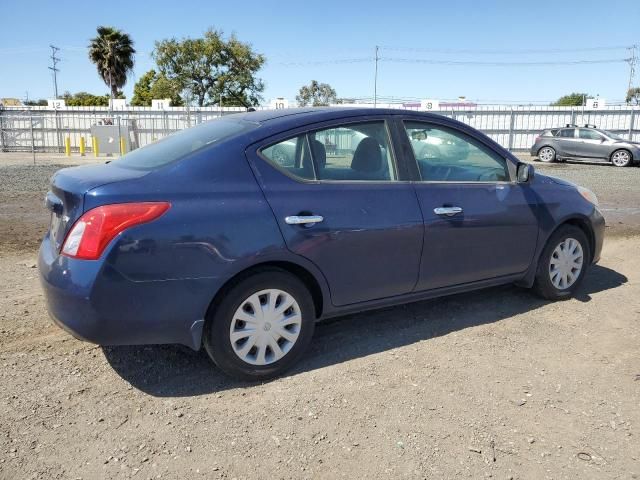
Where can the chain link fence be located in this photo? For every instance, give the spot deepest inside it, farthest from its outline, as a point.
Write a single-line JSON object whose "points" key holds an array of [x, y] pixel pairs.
{"points": [[41, 130]]}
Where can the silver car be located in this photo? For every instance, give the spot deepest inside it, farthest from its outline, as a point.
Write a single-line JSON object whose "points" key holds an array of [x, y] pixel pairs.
{"points": [[586, 144]]}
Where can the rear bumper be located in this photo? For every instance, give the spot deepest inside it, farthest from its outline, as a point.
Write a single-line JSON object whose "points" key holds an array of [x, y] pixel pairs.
{"points": [[94, 303]]}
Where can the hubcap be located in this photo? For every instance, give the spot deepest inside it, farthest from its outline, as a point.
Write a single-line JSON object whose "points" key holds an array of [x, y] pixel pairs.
{"points": [[546, 154], [620, 159], [566, 263], [265, 327]]}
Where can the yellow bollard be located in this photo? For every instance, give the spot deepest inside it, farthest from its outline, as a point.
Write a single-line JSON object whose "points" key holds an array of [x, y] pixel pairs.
{"points": [[67, 146], [94, 144], [122, 146], [82, 146]]}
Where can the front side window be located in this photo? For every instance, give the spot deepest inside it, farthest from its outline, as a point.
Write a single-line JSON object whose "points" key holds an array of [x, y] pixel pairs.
{"points": [[446, 155], [587, 134], [352, 152]]}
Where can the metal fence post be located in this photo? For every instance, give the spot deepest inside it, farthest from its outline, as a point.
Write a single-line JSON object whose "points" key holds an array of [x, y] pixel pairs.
{"points": [[573, 116], [631, 124], [511, 124], [2, 149], [33, 146]]}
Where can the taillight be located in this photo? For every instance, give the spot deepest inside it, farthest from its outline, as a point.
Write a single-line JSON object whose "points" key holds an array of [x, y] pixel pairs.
{"points": [[96, 228]]}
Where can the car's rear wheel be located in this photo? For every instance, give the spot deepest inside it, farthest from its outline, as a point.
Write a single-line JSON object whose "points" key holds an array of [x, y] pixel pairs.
{"points": [[261, 326], [621, 158], [562, 264], [547, 154]]}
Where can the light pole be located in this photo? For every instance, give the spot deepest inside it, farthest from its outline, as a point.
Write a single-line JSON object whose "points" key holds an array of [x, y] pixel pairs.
{"points": [[375, 81]]}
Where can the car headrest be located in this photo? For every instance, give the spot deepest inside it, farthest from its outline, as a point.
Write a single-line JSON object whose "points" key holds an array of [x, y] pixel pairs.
{"points": [[368, 156], [319, 153]]}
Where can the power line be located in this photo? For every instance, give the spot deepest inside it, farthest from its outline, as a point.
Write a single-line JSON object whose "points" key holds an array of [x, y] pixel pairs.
{"points": [[504, 52], [54, 69], [501, 64], [324, 62]]}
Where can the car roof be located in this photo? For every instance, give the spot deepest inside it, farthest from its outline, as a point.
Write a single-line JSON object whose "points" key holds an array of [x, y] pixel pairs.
{"points": [[285, 118]]}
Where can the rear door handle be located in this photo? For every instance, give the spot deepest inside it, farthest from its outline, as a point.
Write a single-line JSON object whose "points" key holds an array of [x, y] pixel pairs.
{"points": [[448, 211], [303, 219]]}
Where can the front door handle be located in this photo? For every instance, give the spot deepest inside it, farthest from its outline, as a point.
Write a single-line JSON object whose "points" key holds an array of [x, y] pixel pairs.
{"points": [[303, 219], [448, 211]]}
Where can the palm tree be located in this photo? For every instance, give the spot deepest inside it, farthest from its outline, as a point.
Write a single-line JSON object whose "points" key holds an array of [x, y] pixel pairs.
{"points": [[112, 51]]}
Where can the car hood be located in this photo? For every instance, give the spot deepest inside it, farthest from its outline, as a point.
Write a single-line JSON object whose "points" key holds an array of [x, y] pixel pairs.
{"points": [[628, 142]]}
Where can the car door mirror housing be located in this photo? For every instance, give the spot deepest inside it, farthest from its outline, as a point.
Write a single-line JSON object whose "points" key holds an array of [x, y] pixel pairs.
{"points": [[525, 172]]}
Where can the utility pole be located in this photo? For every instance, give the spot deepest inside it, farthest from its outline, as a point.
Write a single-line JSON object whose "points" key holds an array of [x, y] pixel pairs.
{"points": [[632, 65], [375, 80], [54, 69]]}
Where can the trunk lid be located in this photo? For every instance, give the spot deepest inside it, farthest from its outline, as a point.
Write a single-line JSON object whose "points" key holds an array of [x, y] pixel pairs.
{"points": [[65, 199]]}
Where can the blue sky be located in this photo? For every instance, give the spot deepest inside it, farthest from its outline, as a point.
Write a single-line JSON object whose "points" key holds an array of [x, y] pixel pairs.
{"points": [[301, 33]]}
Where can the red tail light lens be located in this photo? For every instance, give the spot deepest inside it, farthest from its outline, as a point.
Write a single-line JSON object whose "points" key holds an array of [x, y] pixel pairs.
{"points": [[96, 228]]}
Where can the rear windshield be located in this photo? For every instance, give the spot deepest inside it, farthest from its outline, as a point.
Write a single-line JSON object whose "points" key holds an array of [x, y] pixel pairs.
{"points": [[182, 143]]}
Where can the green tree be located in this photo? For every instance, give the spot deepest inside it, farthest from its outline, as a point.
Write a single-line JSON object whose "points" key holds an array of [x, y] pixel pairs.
{"points": [[572, 100], [112, 52], [155, 85], [212, 68], [36, 103], [633, 96], [86, 99], [316, 94]]}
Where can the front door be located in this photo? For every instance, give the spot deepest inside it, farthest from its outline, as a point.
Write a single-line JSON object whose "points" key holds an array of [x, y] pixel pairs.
{"points": [[338, 199], [591, 144], [478, 224]]}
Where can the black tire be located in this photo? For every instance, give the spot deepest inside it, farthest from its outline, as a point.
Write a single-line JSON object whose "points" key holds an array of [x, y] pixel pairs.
{"points": [[547, 158], [618, 158], [543, 284], [216, 337]]}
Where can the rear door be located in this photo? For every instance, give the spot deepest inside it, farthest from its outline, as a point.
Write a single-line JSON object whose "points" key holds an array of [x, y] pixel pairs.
{"points": [[341, 202], [567, 142], [478, 224]]}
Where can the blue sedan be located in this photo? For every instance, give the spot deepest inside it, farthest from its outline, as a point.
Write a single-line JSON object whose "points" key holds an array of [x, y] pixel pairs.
{"points": [[240, 233]]}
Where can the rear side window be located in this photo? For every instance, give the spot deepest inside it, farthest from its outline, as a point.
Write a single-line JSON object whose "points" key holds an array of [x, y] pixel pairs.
{"points": [[292, 156], [354, 152], [567, 133], [181, 144]]}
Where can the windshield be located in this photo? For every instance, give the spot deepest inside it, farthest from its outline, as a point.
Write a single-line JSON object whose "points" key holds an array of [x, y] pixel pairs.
{"points": [[613, 135], [182, 143]]}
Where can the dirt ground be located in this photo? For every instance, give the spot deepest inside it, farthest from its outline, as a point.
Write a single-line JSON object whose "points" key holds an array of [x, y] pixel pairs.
{"points": [[492, 384]]}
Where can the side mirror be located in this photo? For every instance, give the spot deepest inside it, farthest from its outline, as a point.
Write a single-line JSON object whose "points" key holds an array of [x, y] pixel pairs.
{"points": [[525, 172]]}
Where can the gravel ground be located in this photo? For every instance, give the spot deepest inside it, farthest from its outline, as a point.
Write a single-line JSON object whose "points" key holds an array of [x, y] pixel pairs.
{"points": [[496, 383]]}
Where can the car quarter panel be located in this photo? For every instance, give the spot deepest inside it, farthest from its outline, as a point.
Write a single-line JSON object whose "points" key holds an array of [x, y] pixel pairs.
{"points": [[157, 280]]}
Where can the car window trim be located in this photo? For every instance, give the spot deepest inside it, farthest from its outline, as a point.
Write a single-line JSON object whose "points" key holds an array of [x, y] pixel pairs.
{"points": [[403, 119], [306, 129]]}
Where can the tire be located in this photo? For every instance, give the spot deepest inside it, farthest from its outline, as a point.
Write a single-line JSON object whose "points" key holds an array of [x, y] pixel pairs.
{"points": [[271, 353], [621, 158], [548, 282], [547, 155]]}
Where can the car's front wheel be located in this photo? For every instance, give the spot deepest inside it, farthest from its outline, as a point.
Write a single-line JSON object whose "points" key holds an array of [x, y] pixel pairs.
{"points": [[562, 264], [261, 326], [547, 154], [621, 158]]}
